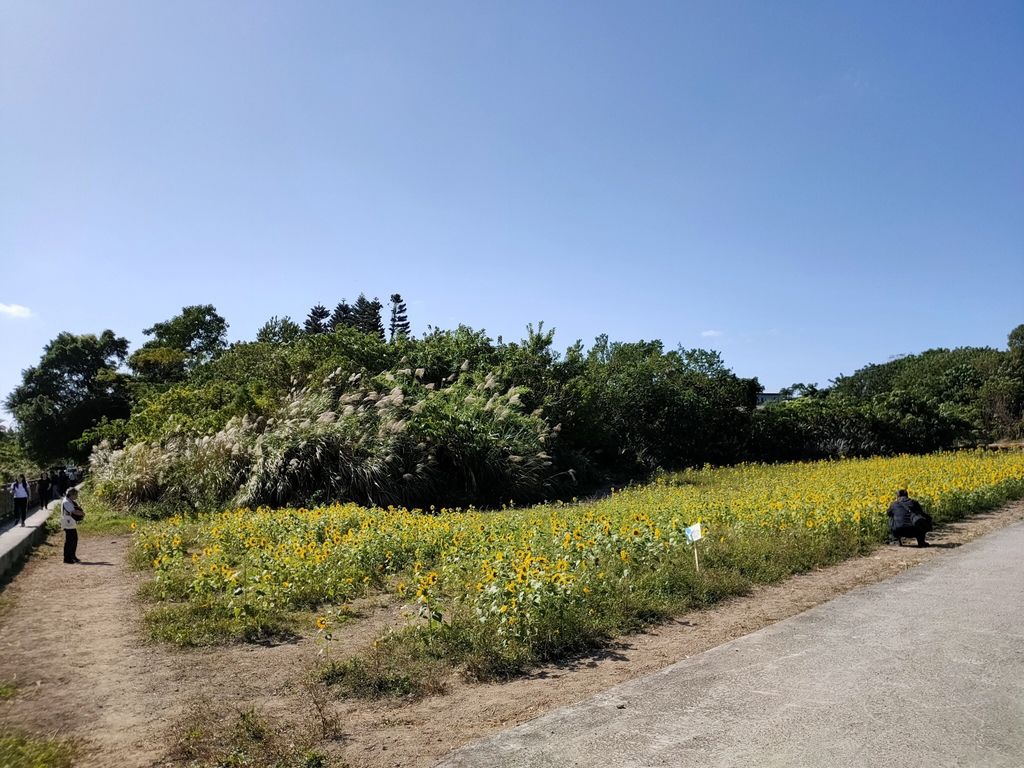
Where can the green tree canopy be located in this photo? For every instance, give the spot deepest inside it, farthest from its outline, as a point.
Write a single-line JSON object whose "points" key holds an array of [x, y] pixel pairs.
{"points": [[1015, 341], [180, 345], [75, 384], [13, 461], [277, 330]]}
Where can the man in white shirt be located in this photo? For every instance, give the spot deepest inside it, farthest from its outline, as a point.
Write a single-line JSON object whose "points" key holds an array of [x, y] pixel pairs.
{"points": [[70, 515]]}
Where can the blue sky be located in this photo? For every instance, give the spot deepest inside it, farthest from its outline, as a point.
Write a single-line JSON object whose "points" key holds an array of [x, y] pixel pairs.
{"points": [[806, 187]]}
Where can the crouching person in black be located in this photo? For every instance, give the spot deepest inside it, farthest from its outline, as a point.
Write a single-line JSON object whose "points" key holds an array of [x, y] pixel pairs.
{"points": [[907, 519]]}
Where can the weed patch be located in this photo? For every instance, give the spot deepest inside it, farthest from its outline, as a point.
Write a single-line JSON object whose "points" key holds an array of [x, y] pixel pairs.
{"points": [[18, 750], [406, 664], [194, 624], [245, 738]]}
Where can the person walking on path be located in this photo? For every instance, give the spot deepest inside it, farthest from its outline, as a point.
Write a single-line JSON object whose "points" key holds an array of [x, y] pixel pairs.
{"points": [[71, 514], [43, 488], [907, 518], [55, 489], [20, 493]]}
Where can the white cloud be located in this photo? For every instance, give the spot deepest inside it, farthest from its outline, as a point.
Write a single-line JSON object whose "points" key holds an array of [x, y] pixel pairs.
{"points": [[15, 310], [710, 334]]}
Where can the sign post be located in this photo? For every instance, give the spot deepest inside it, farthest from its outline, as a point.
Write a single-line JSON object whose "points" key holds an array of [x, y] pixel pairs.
{"points": [[693, 535]]}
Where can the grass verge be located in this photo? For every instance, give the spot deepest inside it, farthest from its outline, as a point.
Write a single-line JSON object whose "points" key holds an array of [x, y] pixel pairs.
{"points": [[18, 750], [101, 518]]}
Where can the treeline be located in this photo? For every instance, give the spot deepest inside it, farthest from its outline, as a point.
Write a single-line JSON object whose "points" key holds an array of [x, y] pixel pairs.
{"points": [[364, 315], [941, 398], [343, 408]]}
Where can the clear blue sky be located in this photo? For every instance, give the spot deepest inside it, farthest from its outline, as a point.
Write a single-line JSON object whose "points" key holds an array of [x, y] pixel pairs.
{"points": [[807, 187]]}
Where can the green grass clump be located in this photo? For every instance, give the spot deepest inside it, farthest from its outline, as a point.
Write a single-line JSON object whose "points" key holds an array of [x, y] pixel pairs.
{"points": [[102, 518], [7, 690], [194, 624], [18, 750]]}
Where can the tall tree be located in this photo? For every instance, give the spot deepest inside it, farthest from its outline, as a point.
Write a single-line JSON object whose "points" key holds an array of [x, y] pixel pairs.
{"points": [[277, 330], [399, 325], [75, 384], [342, 316], [1002, 396], [1015, 341], [181, 344], [316, 320], [199, 331], [367, 317]]}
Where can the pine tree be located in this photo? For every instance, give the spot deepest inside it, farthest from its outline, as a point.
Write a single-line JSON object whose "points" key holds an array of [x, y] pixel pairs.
{"points": [[342, 316], [366, 316], [277, 330], [399, 326], [316, 321], [374, 321]]}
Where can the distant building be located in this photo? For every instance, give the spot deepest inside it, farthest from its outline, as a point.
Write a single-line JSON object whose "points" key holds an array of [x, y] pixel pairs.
{"points": [[763, 398], [1006, 445]]}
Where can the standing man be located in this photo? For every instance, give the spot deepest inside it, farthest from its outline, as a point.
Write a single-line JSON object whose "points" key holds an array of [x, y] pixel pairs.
{"points": [[906, 518], [70, 516]]}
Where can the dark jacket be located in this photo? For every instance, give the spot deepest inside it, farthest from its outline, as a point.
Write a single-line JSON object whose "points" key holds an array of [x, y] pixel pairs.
{"points": [[905, 513]]}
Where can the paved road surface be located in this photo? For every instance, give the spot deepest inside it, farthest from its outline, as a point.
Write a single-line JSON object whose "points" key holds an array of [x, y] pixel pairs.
{"points": [[925, 669]]}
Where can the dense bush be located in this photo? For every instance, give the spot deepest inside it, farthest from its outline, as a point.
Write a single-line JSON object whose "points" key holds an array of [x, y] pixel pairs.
{"points": [[388, 439]]}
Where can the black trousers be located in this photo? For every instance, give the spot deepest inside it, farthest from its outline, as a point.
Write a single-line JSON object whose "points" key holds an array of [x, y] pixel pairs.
{"points": [[908, 532], [20, 505], [70, 545]]}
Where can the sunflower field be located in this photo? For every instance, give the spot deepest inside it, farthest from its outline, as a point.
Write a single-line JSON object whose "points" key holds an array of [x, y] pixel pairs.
{"points": [[499, 589]]}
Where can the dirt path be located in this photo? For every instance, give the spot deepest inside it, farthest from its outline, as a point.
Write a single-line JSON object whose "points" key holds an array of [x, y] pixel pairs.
{"points": [[70, 637], [71, 640], [68, 640]]}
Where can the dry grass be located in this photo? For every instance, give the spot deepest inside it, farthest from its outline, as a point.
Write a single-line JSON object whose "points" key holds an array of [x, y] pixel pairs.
{"points": [[209, 737]]}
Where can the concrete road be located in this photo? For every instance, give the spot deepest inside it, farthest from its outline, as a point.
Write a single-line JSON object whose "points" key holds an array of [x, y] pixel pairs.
{"points": [[925, 669]]}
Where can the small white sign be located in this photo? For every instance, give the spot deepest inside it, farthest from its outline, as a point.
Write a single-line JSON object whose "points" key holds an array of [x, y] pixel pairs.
{"points": [[693, 533]]}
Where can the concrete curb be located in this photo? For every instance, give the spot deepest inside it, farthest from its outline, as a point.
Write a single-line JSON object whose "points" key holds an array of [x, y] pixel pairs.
{"points": [[16, 541]]}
